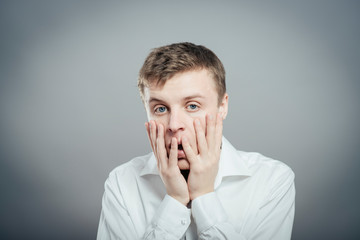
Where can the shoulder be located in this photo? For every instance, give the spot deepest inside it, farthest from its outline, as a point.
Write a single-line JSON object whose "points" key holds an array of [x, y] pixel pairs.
{"points": [[128, 171], [255, 164], [267, 168], [273, 177]]}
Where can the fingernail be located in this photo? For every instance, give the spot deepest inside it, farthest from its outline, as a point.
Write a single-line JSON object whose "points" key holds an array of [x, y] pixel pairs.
{"points": [[211, 117], [197, 121]]}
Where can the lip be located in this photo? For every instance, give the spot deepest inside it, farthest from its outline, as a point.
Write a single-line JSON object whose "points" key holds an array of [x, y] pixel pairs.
{"points": [[181, 154], [178, 142]]}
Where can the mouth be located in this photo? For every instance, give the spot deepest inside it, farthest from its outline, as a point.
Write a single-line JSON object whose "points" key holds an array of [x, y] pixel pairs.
{"points": [[179, 146], [180, 151]]}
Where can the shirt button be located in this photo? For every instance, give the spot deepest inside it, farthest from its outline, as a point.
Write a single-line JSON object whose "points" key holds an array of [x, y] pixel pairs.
{"points": [[183, 222]]}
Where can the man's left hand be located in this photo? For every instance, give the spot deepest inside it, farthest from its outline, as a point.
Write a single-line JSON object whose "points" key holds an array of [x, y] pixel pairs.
{"points": [[204, 165]]}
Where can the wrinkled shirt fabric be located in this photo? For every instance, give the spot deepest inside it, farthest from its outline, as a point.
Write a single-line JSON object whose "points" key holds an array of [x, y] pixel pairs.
{"points": [[254, 198]]}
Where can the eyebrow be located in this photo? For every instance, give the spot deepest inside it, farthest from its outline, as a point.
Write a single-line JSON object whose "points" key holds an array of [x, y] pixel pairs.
{"points": [[194, 96], [153, 99]]}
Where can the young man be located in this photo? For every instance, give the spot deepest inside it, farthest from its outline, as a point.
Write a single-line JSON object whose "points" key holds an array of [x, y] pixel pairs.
{"points": [[195, 184]]}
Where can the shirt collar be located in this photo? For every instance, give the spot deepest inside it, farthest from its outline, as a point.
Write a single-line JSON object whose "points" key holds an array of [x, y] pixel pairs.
{"points": [[231, 164], [150, 167]]}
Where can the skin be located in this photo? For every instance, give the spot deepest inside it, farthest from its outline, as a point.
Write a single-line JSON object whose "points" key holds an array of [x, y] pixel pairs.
{"points": [[185, 110]]}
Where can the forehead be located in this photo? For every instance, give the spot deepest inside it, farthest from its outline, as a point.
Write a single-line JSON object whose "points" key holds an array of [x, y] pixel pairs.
{"points": [[183, 85]]}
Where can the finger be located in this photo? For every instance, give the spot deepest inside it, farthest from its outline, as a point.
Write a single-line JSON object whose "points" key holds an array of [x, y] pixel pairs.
{"points": [[152, 129], [210, 131], [190, 155], [148, 134], [173, 156], [152, 136], [218, 132], [200, 137], [160, 145]]}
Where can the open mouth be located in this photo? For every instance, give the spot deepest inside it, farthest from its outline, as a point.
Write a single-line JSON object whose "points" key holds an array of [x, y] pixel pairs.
{"points": [[180, 146], [180, 151]]}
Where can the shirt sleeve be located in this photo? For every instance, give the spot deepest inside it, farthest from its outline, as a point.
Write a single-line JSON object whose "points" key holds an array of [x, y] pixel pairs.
{"points": [[115, 221], [211, 219], [274, 219], [170, 221], [276, 216]]}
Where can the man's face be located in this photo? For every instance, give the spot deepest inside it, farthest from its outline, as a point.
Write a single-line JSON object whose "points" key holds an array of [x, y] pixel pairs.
{"points": [[182, 99]]}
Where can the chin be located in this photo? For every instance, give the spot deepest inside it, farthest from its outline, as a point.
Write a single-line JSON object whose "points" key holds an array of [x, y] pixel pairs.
{"points": [[183, 164]]}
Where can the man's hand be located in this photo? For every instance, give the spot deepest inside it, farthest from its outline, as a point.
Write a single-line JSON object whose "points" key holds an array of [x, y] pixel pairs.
{"points": [[204, 166], [174, 181]]}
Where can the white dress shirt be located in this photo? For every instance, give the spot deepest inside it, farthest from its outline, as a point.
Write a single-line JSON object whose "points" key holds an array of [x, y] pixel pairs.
{"points": [[254, 198]]}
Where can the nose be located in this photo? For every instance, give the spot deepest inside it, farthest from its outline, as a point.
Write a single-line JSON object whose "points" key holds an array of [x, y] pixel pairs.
{"points": [[175, 122]]}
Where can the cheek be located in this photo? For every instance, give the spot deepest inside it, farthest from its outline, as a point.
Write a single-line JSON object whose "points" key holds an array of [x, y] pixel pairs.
{"points": [[202, 119], [201, 115], [158, 119], [192, 127]]}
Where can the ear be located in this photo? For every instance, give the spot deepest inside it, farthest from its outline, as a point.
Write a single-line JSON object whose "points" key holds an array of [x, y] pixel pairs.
{"points": [[223, 108]]}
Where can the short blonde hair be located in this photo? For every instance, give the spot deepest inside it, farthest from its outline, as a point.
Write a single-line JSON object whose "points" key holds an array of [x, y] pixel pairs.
{"points": [[164, 62]]}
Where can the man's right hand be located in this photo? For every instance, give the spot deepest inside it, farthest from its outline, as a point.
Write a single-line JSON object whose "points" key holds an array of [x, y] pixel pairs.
{"points": [[174, 181]]}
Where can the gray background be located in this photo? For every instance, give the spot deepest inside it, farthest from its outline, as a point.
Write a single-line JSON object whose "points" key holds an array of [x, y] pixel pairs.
{"points": [[70, 109]]}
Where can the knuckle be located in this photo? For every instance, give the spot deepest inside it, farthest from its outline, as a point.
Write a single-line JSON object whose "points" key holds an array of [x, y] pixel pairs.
{"points": [[212, 161], [199, 130], [163, 172], [198, 170]]}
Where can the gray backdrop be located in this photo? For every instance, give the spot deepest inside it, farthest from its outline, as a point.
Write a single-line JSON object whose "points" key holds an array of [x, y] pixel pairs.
{"points": [[71, 112]]}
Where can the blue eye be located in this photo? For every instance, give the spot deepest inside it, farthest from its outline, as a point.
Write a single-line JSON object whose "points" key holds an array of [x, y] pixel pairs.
{"points": [[160, 109], [192, 107]]}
